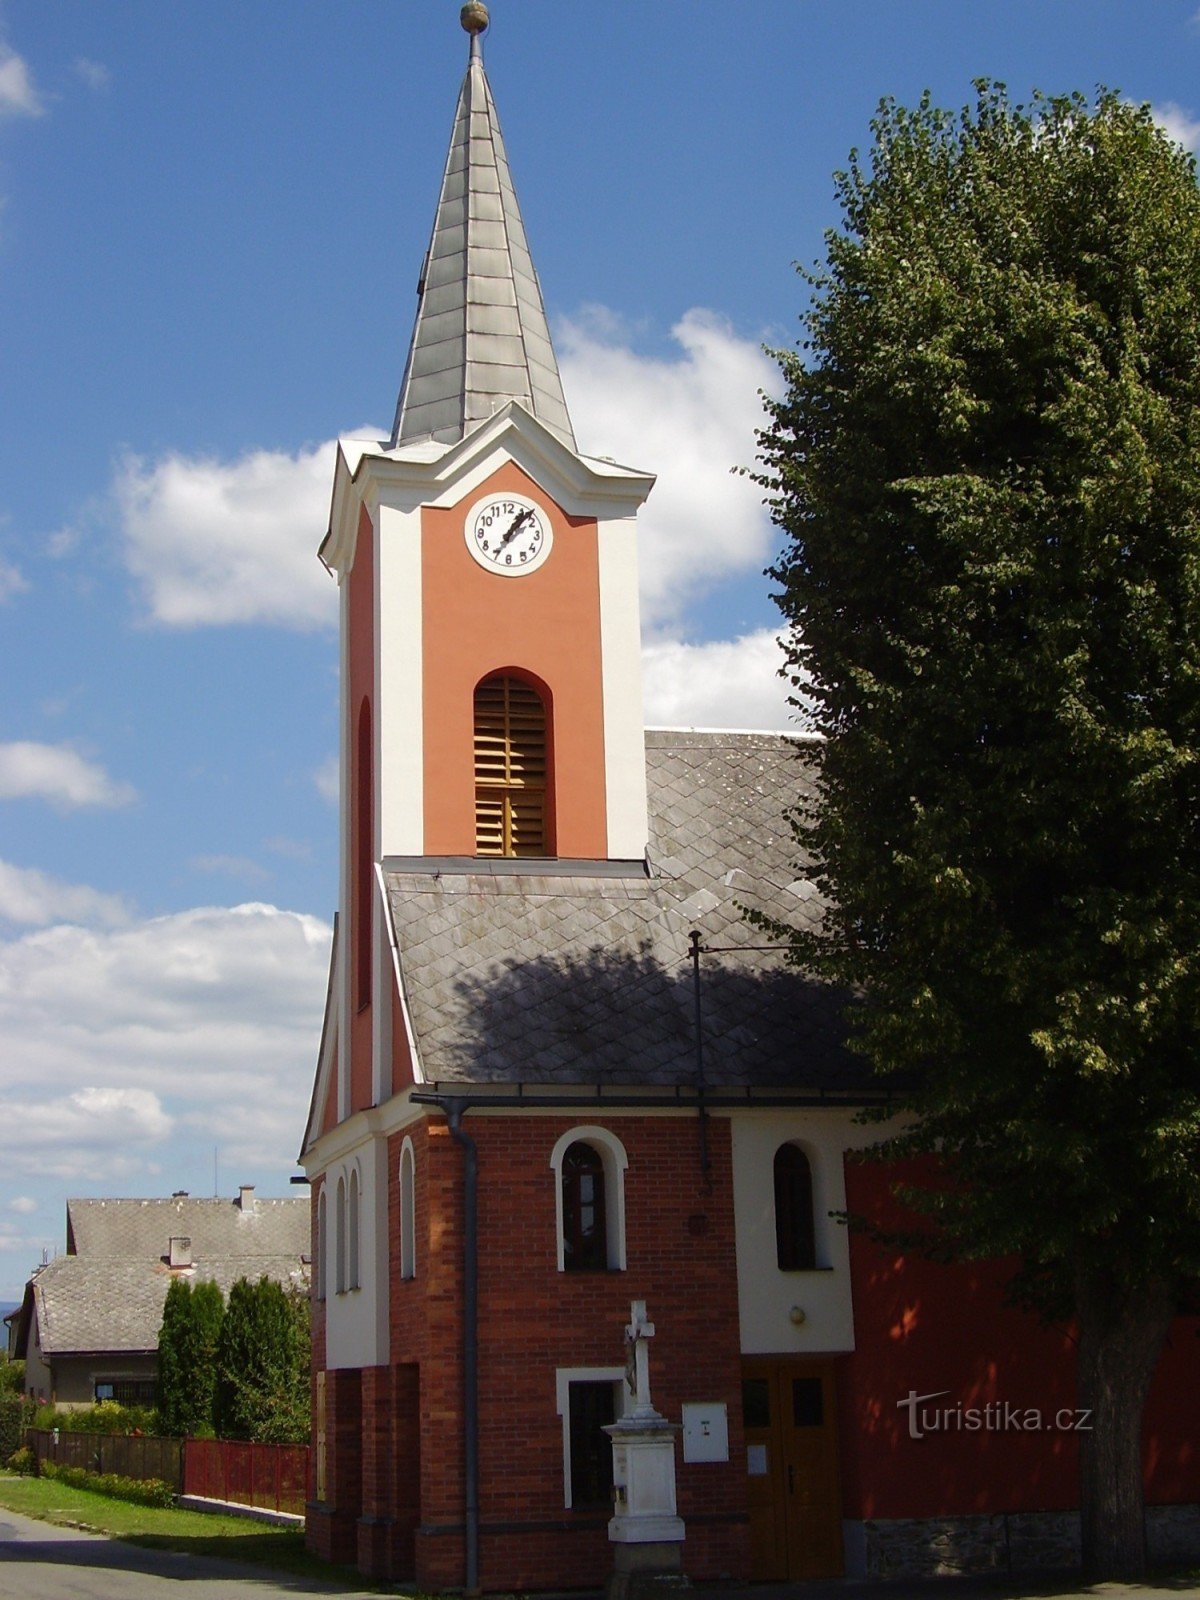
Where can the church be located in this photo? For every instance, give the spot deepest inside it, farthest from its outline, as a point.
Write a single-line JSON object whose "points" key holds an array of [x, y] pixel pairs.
{"points": [[561, 1072]]}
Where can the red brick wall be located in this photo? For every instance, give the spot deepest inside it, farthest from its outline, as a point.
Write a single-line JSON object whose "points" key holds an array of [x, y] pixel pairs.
{"points": [[534, 1319]]}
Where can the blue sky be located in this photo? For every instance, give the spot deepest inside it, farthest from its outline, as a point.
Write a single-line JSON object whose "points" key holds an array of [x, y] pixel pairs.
{"points": [[212, 218]]}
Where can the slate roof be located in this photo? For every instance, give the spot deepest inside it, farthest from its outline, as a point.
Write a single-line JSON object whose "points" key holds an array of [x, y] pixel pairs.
{"points": [[109, 1296], [481, 337], [587, 978]]}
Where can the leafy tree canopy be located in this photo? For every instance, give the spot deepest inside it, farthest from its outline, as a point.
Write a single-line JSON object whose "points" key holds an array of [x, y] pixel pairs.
{"points": [[187, 1348], [987, 468], [262, 1389]]}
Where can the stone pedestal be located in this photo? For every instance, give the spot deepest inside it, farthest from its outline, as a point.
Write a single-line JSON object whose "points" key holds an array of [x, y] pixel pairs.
{"points": [[646, 1531]]}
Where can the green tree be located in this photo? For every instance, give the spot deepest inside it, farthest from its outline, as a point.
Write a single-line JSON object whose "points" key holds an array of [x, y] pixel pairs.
{"points": [[987, 468], [263, 1365], [187, 1356]]}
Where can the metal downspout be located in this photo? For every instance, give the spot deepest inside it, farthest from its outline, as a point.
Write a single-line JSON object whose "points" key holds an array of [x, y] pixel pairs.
{"points": [[701, 1086], [454, 1113]]}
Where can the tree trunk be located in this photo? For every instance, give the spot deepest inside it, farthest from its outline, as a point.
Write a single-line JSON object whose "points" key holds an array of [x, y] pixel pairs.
{"points": [[1121, 1335]]}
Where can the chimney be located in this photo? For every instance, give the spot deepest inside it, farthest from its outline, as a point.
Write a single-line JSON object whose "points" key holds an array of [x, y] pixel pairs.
{"points": [[246, 1197], [179, 1252]]}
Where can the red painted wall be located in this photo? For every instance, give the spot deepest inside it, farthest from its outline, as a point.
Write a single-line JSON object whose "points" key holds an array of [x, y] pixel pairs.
{"points": [[547, 622], [924, 1327]]}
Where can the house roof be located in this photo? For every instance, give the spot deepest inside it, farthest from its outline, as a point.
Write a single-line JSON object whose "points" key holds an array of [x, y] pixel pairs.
{"points": [[481, 337], [578, 975], [106, 1294]]}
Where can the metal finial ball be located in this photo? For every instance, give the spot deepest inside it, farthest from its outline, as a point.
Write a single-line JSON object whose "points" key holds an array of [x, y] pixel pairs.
{"points": [[474, 17]]}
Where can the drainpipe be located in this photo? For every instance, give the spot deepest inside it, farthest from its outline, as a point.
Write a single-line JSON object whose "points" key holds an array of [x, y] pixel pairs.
{"points": [[701, 1086], [455, 1110]]}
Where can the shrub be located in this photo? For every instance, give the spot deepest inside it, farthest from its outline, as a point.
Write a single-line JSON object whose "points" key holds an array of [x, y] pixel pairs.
{"points": [[12, 1375], [107, 1416], [140, 1491], [14, 1413], [23, 1461]]}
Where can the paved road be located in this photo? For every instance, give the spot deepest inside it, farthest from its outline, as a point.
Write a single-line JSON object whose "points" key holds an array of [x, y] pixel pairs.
{"points": [[42, 1562]]}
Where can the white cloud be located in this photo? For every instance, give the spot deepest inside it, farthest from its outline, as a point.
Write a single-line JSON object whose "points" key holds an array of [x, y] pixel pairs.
{"points": [[1178, 123], [33, 899], [199, 1026], [52, 1134], [725, 683], [57, 773], [94, 73], [11, 581], [690, 419], [18, 97], [23, 1203], [214, 542], [327, 778]]}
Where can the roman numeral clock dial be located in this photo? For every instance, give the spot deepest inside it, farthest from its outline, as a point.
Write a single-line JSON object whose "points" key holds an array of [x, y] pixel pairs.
{"points": [[508, 534]]}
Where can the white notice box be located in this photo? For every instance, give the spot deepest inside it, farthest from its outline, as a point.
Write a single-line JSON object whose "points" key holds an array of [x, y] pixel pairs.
{"points": [[705, 1431]]}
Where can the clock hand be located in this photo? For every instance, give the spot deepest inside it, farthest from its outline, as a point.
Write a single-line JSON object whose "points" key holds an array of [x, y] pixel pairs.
{"points": [[514, 525]]}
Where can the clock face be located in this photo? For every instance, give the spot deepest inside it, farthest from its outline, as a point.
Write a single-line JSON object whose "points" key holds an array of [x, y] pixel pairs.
{"points": [[509, 534]]}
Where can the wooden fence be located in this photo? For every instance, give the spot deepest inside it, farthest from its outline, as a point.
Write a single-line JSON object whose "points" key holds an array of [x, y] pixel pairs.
{"points": [[271, 1477], [129, 1456]]}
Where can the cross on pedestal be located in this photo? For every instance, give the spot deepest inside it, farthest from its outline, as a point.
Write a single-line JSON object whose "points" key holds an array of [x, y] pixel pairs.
{"points": [[637, 1369]]}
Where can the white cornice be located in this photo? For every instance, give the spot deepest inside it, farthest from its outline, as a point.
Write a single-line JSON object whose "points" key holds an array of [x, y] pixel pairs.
{"points": [[426, 473]]}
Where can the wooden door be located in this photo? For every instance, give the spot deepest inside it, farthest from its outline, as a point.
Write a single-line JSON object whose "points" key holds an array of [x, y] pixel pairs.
{"points": [[788, 1408]]}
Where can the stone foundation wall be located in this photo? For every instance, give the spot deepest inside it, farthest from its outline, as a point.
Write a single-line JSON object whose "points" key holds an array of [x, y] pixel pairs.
{"points": [[1019, 1541]]}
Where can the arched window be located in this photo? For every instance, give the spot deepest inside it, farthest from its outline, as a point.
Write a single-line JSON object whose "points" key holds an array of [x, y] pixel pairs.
{"points": [[340, 1230], [352, 1277], [364, 854], [511, 766], [589, 1171], [795, 1237], [408, 1214], [322, 1247], [585, 1233]]}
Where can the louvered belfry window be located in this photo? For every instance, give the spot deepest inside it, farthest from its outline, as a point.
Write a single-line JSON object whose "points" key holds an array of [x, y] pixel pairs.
{"points": [[510, 769]]}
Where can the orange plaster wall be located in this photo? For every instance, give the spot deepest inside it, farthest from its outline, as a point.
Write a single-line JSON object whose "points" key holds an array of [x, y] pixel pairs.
{"points": [[546, 622], [361, 674]]}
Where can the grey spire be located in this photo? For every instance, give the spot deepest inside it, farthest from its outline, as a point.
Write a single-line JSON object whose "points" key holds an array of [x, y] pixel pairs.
{"points": [[481, 337]]}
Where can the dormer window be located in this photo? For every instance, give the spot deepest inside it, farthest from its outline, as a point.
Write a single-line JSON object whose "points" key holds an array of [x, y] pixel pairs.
{"points": [[511, 766]]}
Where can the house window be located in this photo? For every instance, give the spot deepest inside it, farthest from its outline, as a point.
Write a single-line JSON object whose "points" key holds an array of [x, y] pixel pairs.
{"points": [[408, 1216], [126, 1391], [364, 850], [591, 1408], [589, 1398], [352, 1208], [340, 1228], [589, 1167], [795, 1236], [322, 1247], [511, 766], [585, 1237]]}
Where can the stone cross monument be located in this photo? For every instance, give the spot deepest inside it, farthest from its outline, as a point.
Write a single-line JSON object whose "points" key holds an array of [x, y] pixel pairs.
{"points": [[646, 1531]]}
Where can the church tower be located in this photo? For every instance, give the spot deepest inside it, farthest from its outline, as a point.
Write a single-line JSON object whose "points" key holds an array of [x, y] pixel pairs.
{"points": [[491, 712]]}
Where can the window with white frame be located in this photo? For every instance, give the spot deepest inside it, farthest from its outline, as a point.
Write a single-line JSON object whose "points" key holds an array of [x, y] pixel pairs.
{"points": [[589, 1165], [340, 1231], [408, 1214], [588, 1399], [795, 1223], [353, 1280], [322, 1272]]}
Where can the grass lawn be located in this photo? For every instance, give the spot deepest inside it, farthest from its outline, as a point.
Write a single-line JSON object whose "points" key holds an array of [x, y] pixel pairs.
{"points": [[193, 1532]]}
